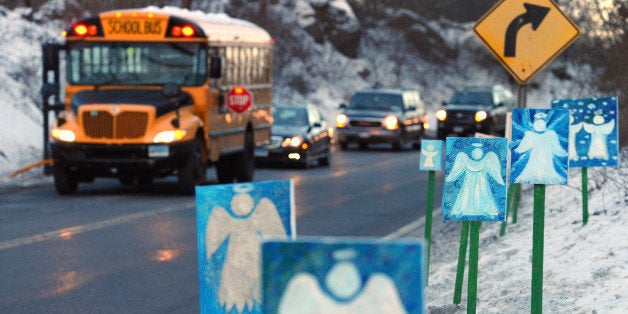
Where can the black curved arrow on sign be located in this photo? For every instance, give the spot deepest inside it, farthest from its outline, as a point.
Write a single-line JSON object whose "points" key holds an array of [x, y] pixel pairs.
{"points": [[534, 15]]}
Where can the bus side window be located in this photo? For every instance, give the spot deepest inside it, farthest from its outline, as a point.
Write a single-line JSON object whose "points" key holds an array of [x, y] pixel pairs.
{"points": [[215, 66]]}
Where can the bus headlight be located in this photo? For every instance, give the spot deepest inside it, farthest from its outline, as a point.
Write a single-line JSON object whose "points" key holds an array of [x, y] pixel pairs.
{"points": [[341, 121], [390, 123], [63, 135], [169, 136], [441, 115], [480, 116]]}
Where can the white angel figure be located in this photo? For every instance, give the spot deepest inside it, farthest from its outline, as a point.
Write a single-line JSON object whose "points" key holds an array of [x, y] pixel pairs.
{"points": [[303, 294], [240, 280], [599, 131], [543, 145], [573, 130], [475, 197], [429, 153]]}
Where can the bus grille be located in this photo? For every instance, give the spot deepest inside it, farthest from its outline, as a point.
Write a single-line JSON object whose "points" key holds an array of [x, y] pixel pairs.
{"points": [[102, 124]]}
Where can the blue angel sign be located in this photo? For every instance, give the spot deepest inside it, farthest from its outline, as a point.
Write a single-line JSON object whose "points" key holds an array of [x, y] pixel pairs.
{"points": [[232, 219], [343, 276], [539, 146], [431, 155], [475, 179], [593, 125]]}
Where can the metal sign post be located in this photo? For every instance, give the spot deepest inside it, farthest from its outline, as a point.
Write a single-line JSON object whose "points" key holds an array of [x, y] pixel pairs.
{"points": [[428, 221], [462, 259], [538, 235], [585, 196]]}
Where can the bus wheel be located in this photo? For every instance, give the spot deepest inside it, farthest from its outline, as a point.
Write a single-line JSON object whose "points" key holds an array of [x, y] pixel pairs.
{"points": [[224, 171], [238, 167], [65, 182], [194, 171], [246, 160]]}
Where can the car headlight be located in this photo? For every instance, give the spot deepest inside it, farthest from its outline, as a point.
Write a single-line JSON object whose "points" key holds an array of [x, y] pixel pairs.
{"points": [[169, 136], [342, 120], [294, 141], [390, 123], [480, 116], [441, 115], [63, 135]]}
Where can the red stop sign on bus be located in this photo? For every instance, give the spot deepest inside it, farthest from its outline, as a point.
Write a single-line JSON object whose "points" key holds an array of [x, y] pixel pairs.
{"points": [[239, 99]]}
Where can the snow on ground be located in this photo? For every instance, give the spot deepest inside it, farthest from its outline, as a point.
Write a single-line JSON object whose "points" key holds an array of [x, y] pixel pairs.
{"points": [[20, 119]]}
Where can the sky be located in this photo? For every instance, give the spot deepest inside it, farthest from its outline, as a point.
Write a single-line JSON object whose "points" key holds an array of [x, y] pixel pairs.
{"points": [[585, 266]]}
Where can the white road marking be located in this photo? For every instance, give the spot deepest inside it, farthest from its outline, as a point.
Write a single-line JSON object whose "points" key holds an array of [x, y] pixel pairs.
{"points": [[71, 231], [405, 230]]}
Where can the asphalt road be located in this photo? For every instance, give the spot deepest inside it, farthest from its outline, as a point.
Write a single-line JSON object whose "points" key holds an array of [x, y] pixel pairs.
{"points": [[118, 249]]}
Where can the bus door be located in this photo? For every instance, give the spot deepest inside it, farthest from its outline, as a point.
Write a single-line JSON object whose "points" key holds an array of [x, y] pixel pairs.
{"points": [[51, 89]]}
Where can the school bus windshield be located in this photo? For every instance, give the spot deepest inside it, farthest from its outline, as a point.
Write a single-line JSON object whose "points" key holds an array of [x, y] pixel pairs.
{"points": [[122, 63]]}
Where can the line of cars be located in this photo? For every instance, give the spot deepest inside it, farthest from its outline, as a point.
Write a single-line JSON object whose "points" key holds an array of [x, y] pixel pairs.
{"points": [[301, 136]]}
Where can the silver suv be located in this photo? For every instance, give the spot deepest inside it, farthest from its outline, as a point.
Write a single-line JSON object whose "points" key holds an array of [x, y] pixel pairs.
{"points": [[381, 116]]}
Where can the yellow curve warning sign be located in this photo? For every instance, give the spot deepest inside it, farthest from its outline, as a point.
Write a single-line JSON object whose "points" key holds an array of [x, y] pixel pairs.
{"points": [[526, 35]]}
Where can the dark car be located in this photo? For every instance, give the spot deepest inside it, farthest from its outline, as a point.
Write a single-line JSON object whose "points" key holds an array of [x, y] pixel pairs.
{"points": [[476, 109], [381, 116], [299, 135]]}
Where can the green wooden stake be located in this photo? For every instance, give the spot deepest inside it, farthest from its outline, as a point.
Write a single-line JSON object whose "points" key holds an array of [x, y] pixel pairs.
{"points": [[516, 187], [502, 230], [462, 255], [537, 248], [428, 220], [474, 248], [585, 197]]}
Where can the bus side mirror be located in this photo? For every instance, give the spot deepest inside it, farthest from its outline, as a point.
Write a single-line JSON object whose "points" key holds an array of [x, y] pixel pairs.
{"points": [[215, 67], [51, 55]]}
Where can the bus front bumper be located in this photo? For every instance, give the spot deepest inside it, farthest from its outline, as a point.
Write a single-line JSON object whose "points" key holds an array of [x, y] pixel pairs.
{"points": [[98, 160]]}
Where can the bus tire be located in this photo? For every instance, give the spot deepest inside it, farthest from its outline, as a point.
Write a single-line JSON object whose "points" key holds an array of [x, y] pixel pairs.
{"points": [[65, 182], [194, 171], [224, 171], [239, 167], [245, 161]]}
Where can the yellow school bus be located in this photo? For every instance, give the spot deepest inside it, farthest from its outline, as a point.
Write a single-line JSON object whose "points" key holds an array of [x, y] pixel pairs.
{"points": [[148, 93]]}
